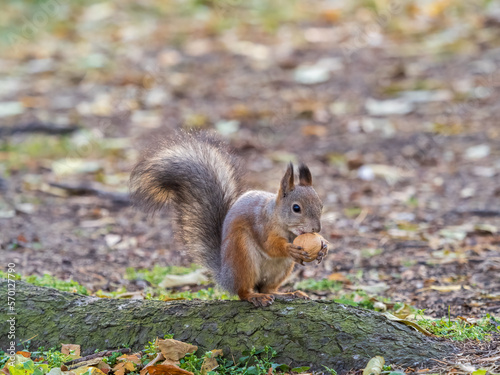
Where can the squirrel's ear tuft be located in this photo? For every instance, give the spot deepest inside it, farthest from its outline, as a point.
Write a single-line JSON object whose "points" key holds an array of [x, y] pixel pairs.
{"points": [[286, 185], [305, 177]]}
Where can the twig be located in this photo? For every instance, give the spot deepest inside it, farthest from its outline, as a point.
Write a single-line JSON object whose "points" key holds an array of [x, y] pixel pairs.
{"points": [[121, 198], [105, 353], [158, 357], [490, 359], [476, 212], [38, 127]]}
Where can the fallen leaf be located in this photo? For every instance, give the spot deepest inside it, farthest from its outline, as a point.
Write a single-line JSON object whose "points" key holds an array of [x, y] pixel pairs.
{"points": [[466, 367], [317, 130], [337, 276], [123, 367], [193, 278], [388, 107], [174, 349], [392, 175], [167, 370], [91, 371], [376, 288], [104, 367], [374, 366], [210, 363], [134, 358], [24, 354], [75, 166], [448, 288], [408, 323], [8, 109]]}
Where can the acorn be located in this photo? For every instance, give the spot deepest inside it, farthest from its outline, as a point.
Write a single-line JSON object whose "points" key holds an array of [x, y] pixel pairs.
{"points": [[311, 243]]}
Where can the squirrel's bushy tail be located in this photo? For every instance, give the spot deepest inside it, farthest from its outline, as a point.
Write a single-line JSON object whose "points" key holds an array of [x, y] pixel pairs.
{"points": [[201, 179]]}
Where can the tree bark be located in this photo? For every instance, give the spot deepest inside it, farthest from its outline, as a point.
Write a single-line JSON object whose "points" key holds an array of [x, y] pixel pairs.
{"points": [[304, 333]]}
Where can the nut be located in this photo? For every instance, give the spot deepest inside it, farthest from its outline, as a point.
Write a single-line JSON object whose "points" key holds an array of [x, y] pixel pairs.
{"points": [[311, 243]]}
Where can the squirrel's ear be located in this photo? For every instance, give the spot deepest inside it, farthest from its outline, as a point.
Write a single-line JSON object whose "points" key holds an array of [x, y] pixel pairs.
{"points": [[286, 185], [305, 177]]}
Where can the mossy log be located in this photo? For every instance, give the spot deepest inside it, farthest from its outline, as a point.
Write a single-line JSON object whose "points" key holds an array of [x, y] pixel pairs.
{"points": [[304, 333]]}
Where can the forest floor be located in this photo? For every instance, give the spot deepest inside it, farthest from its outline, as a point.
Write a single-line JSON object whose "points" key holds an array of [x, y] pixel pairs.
{"points": [[394, 108]]}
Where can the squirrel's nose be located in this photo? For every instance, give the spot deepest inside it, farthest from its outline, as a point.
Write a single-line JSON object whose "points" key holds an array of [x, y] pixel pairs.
{"points": [[316, 228]]}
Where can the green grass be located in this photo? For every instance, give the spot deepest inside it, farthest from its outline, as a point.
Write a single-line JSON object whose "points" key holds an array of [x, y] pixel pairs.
{"points": [[50, 282], [319, 285], [252, 362], [156, 275], [460, 330]]}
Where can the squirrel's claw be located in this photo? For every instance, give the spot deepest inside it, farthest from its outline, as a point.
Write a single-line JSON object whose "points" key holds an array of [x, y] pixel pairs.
{"points": [[261, 300], [298, 254]]}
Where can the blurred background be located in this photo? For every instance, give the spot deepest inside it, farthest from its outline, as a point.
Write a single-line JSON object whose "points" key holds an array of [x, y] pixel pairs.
{"points": [[393, 105]]}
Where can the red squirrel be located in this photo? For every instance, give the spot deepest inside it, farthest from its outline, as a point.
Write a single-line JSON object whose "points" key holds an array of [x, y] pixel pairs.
{"points": [[244, 238]]}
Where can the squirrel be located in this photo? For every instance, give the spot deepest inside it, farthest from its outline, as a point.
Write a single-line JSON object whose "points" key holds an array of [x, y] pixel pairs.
{"points": [[245, 239]]}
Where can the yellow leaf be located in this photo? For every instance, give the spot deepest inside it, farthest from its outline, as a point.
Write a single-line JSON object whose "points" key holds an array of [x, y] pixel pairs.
{"points": [[123, 367], [408, 323], [374, 366]]}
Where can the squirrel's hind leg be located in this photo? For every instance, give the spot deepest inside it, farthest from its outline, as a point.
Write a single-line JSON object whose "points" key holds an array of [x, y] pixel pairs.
{"points": [[237, 261], [257, 299], [288, 296]]}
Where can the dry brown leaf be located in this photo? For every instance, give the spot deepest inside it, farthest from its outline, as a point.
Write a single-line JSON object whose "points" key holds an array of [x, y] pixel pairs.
{"points": [[67, 348], [24, 354], [170, 362], [317, 130], [210, 363], [167, 370], [330, 15], [337, 276], [104, 367], [84, 369], [124, 367], [134, 358], [174, 349], [448, 288]]}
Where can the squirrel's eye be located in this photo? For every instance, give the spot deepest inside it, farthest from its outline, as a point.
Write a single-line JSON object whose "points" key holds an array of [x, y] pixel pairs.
{"points": [[296, 208]]}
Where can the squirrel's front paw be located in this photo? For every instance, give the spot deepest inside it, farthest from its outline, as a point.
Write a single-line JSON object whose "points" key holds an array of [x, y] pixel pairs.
{"points": [[322, 253], [298, 253]]}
